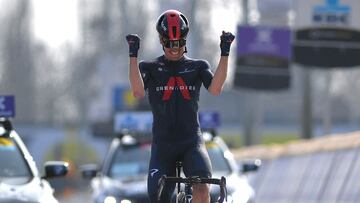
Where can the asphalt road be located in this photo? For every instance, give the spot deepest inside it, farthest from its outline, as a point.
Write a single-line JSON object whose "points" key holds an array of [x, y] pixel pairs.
{"points": [[76, 198]]}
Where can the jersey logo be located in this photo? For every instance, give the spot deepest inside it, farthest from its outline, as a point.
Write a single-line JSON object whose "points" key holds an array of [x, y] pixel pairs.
{"points": [[180, 84], [153, 171], [187, 70], [162, 69]]}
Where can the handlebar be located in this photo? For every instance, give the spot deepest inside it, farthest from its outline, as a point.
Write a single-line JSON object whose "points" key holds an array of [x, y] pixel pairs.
{"points": [[195, 180]]}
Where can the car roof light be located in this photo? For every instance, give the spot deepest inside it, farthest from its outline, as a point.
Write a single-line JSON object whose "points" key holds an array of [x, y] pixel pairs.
{"points": [[6, 123], [5, 127], [138, 137], [128, 140], [207, 136], [2, 131], [110, 199]]}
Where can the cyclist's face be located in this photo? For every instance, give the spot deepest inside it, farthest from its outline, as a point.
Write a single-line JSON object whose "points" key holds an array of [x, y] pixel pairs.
{"points": [[174, 50], [174, 54]]}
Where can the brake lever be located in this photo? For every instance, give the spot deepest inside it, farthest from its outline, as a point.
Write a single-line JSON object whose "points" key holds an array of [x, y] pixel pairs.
{"points": [[223, 190], [161, 184]]}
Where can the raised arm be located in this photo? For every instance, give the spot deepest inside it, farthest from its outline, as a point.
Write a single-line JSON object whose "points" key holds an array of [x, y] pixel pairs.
{"points": [[136, 82], [220, 75]]}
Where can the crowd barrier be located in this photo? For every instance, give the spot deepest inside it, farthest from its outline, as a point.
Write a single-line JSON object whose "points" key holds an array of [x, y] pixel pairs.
{"points": [[322, 170]]}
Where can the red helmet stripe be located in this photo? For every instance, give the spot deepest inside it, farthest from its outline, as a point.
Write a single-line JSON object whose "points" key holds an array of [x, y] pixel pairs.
{"points": [[173, 21]]}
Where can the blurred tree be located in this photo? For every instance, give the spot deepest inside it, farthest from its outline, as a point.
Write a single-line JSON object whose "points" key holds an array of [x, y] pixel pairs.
{"points": [[103, 61], [16, 52], [199, 39], [65, 86], [352, 94], [46, 84]]}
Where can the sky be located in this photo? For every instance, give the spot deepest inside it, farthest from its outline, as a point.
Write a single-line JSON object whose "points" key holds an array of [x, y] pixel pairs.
{"points": [[56, 22], [225, 19]]}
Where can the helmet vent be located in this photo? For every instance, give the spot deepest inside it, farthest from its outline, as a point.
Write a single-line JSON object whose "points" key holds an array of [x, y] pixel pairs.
{"points": [[172, 25], [174, 31]]}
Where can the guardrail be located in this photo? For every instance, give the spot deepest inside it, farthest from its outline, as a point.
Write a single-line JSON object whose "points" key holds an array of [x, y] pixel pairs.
{"points": [[322, 170]]}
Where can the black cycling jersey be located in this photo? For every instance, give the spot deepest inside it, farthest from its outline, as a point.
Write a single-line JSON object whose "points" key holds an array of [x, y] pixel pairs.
{"points": [[173, 89]]}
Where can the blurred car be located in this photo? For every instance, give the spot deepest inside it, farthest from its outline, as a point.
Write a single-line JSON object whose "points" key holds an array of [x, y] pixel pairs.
{"points": [[123, 176], [20, 181], [224, 164]]}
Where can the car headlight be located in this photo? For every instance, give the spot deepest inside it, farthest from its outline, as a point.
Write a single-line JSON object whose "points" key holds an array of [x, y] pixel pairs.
{"points": [[112, 199], [238, 197]]}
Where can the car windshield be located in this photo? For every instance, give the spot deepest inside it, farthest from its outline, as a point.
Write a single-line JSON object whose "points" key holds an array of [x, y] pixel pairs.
{"points": [[12, 162], [130, 162], [218, 161]]}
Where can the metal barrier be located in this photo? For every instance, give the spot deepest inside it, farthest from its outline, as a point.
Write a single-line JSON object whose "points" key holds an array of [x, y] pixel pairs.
{"points": [[297, 173]]}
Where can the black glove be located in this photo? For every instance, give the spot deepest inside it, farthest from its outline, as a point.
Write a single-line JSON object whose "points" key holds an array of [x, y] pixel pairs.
{"points": [[134, 44], [225, 42]]}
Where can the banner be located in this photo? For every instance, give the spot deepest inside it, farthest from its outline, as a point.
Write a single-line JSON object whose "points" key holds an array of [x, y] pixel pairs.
{"points": [[7, 106], [327, 33], [263, 55], [209, 119], [123, 99], [133, 121]]}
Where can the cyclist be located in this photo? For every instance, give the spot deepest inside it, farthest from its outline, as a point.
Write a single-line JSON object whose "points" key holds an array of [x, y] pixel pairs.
{"points": [[172, 83]]}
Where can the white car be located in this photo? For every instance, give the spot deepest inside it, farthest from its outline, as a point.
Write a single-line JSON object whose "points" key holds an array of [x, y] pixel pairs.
{"points": [[123, 175], [224, 164], [20, 181]]}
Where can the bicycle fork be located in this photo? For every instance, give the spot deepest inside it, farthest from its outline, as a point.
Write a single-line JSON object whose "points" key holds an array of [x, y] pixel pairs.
{"points": [[188, 193], [186, 196]]}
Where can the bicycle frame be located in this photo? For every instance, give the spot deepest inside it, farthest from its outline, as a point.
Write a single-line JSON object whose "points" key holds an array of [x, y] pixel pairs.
{"points": [[188, 187], [186, 196]]}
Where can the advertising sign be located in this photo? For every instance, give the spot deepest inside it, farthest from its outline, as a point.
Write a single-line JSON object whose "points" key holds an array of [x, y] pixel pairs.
{"points": [[141, 121], [263, 55], [209, 119], [7, 106], [123, 99], [133, 121], [327, 33]]}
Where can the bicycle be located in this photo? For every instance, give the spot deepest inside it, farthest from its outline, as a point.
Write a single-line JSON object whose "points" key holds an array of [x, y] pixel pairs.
{"points": [[186, 195]]}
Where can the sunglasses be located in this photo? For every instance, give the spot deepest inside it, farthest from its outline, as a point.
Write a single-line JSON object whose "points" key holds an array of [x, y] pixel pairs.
{"points": [[174, 43]]}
